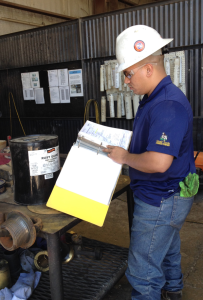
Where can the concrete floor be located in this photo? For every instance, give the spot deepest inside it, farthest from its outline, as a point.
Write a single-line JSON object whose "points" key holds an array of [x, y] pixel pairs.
{"points": [[116, 231]]}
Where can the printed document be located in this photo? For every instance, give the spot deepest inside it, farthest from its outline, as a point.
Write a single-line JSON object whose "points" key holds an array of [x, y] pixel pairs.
{"points": [[54, 94], [64, 94], [63, 77], [75, 82], [105, 135], [25, 78], [28, 94], [53, 78], [34, 77], [39, 96]]}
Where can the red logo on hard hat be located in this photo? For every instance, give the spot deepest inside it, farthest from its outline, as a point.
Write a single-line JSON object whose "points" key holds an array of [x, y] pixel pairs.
{"points": [[139, 46]]}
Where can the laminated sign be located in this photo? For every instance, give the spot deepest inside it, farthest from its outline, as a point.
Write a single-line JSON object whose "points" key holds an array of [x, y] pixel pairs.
{"points": [[44, 161], [75, 82]]}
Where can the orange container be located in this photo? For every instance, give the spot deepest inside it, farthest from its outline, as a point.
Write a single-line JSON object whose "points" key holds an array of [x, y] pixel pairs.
{"points": [[199, 160]]}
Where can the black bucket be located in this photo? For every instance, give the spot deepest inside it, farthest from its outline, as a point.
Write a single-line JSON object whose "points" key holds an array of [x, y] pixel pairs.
{"points": [[36, 166]]}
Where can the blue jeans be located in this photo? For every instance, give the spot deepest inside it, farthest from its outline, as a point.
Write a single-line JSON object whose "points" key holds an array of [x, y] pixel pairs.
{"points": [[154, 254]]}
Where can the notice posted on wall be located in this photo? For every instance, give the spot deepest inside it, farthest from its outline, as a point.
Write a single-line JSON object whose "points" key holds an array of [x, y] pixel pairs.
{"points": [[45, 161], [26, 82], [54, 94], [28, 94], [64, 94], [34, 77], [75, 83], [53, 78], [63, 77], [39, 96]]}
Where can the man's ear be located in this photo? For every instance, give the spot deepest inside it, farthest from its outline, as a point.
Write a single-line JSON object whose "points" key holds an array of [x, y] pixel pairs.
{"points": [[149, 69]]}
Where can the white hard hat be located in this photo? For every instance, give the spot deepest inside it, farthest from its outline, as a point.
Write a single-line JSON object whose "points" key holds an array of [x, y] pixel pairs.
{"points": [[136, 43]]}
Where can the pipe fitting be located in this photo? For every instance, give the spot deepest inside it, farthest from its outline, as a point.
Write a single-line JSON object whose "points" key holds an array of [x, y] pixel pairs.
{"points": [[21, 229]]}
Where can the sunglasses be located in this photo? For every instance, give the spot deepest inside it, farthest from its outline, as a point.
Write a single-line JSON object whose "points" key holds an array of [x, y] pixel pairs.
{"points": [[134, 71]]}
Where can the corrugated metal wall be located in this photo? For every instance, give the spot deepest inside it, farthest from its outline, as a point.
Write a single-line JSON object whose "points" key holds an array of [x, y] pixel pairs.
{"points": [[88, 42], [49, 45], [181, 20]]}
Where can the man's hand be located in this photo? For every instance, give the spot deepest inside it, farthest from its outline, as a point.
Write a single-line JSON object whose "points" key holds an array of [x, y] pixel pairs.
{"points": [[117, 154]]}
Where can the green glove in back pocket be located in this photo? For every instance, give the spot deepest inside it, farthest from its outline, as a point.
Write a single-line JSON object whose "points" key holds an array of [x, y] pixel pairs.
{"points": [[190, 185]]}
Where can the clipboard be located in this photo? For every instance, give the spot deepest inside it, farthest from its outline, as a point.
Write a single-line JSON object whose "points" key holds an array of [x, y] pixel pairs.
{"points": [[87, 181]]}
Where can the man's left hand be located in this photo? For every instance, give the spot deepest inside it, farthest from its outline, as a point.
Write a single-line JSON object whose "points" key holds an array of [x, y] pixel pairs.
{"points": [[117, 154]]}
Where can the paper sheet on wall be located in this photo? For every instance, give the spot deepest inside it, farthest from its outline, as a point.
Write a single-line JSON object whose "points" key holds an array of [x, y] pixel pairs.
{"points": [[54, 94], [39, 96], [75, 83], [64, 94], [34, 77], [26, 82], [53, 78], [63, 77], [179, 79], [28, 94]]}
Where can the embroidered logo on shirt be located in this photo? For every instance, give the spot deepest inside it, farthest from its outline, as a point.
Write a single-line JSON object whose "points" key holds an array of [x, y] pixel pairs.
{"points": [[163, 140]]}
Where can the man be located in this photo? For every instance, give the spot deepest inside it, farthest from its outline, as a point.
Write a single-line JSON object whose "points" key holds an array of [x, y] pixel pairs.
{"points": [[160, 156]]}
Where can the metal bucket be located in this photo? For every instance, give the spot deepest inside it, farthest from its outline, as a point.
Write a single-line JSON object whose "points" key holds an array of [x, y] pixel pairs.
{"points": [[36, 166]]}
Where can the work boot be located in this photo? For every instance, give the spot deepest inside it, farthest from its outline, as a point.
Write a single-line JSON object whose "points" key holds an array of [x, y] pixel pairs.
{"points": [[166, 295]]}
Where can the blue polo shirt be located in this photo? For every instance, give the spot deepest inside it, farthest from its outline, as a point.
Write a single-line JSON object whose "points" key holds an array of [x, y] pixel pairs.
{"points": [[163, 123]]}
